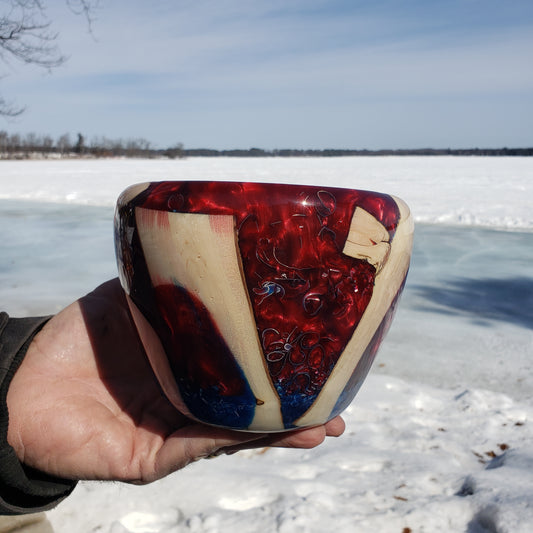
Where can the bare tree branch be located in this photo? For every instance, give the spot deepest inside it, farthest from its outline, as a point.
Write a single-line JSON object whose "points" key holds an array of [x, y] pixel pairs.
{"points": [[9, 110], [86, 8], [26, 36]]}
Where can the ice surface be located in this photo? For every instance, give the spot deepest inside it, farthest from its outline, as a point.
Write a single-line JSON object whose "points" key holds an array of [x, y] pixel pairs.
{"points": [[439, 437], [52, 253]]}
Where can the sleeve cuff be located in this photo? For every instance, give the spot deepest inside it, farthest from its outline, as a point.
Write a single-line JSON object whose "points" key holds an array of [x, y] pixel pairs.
{"points": [[22, 489]]}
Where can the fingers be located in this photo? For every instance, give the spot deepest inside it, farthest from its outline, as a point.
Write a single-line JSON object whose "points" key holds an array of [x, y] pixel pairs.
{"points": [[306, 438], [301, 438], [335, 427]]}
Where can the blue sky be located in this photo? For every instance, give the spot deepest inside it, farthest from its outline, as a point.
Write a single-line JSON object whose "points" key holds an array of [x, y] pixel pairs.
{"points": [[287, 74]]}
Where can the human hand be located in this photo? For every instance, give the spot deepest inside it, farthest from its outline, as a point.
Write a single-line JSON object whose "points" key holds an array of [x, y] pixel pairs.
{"points": [[85, 404]]}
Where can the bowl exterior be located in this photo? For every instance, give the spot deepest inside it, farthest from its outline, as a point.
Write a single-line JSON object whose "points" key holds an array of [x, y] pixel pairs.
{"points": [[261, 306]]}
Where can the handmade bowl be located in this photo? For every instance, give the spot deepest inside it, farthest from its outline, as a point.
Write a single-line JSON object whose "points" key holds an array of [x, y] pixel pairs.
{"points": [[261, 306]]}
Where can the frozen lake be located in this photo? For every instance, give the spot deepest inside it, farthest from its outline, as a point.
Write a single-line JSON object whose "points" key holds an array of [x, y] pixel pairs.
{"points": [[438, 439]]}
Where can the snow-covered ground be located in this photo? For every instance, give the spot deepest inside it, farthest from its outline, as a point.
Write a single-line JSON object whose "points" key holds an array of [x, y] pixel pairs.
{"points": [[481, 191], [439, 437]]}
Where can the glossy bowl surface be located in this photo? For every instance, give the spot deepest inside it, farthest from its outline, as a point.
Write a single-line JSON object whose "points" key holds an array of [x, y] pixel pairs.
{"points": [[261, 306]]}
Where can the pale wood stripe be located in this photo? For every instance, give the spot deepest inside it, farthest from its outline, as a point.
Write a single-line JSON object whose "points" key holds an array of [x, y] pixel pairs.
{"points": [[200, 253]]}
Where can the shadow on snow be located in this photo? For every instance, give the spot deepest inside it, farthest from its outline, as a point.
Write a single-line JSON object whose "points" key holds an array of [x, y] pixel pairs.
{"points": [[509, 300]]}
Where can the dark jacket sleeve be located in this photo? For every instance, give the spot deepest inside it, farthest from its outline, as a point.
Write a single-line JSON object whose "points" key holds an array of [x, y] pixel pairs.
{"points": [[22, 489]]}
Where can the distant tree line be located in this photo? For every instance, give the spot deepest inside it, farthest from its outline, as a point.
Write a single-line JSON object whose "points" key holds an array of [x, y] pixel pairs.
{"points": [[32, 145], [334, 152]]}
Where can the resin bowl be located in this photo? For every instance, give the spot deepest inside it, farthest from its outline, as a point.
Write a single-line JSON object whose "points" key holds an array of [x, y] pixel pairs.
{"points": [[261, 306]]}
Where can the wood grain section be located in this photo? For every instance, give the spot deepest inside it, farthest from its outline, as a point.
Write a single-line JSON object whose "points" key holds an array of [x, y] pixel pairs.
{"points": [[200, 253]]}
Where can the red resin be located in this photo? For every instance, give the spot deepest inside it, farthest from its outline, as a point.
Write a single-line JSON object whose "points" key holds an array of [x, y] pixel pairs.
{"points": [[192, 331]]}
